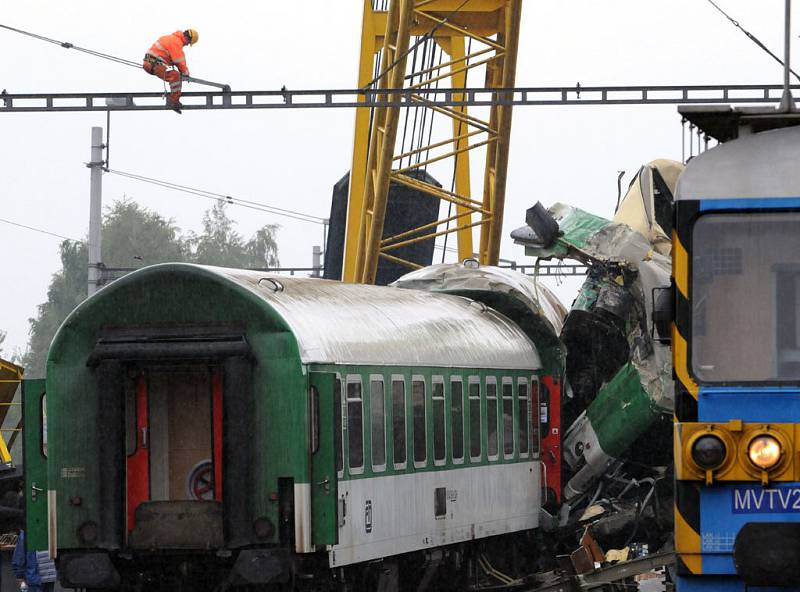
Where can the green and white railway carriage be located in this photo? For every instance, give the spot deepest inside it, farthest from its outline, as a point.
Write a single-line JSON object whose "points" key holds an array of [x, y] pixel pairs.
{"points": [[228, 424]]}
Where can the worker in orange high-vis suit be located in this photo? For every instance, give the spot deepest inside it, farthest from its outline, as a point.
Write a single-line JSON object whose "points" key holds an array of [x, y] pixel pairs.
{"points": [[168, 52]]}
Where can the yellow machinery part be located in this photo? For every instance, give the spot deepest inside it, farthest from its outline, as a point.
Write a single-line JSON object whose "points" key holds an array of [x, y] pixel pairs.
{"points": [[10, 379], [494, 26]]}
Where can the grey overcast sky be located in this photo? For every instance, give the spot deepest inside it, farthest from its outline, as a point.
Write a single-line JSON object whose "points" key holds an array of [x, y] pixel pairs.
{"points": [[292, 158]]}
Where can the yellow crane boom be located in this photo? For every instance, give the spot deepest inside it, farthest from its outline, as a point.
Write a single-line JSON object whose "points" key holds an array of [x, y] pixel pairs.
{"points": [[493, 27]]}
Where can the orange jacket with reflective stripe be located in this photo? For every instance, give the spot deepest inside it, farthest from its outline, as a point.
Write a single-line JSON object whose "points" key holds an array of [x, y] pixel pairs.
{"points": [[170, 49]]}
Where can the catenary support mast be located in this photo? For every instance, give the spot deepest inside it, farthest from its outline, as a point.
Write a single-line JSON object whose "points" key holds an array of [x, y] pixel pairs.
{"points": [[95, 209]]}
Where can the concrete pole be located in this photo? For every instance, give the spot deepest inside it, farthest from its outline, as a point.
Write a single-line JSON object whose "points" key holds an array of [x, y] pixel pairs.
{"points": [[95, 209], [787, 101]]}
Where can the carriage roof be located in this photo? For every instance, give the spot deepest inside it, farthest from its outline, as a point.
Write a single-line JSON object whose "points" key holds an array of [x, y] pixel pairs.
{"points": [[334, 322], [761, 165]]}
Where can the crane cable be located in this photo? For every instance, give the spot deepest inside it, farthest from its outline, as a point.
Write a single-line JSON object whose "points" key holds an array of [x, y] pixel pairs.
{"points": [[68, 45], [750, 36]]}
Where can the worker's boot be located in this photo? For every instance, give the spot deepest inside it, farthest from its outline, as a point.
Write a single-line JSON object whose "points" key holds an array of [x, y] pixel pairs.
{"points": [[174, 105]]}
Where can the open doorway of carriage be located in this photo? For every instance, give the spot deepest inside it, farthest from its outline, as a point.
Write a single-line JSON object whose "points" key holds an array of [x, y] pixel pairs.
{"points": [[173, 435]]}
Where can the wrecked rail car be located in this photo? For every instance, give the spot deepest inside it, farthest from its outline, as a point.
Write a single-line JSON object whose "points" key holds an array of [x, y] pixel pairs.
{"points": [[627, 517], [619, 395]]}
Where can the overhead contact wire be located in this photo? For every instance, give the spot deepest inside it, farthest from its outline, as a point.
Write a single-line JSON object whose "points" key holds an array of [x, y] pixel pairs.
{"points": [[12, 223], [253, 205], [68, 45], [750, 36]]}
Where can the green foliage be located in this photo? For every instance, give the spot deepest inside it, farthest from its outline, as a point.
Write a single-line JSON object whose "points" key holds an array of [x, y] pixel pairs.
{"points": [[262, 250], [67, 290], [134, 237], [221, 245]]}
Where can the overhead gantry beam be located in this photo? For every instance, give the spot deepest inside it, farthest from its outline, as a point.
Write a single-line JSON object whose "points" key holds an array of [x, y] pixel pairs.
{"points": [[740, 94]]}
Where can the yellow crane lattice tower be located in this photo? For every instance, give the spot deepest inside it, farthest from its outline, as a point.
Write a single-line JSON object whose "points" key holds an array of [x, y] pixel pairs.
{"points": [[492, 26]]}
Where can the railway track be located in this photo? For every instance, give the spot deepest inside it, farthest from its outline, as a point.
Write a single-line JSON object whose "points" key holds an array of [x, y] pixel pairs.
{"points": [[606, 576]]}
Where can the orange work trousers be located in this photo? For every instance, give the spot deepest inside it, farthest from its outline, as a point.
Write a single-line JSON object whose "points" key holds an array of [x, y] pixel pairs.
{"points": [[173, 77]]}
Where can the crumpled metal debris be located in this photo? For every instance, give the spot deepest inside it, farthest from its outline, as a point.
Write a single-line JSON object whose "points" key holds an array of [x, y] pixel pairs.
{"points": [[619, 367], [608, 334]]}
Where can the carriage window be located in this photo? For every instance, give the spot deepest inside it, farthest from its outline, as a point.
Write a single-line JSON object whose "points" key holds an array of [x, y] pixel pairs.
{"points": [[524, 416], [44, 425], [508, 417], [474, 418], [457, 417], [438, 419], [535, 425], [313, 404], [399, 421], [376, 406], [355, 427], [418, 405], [491, 416], [337, 426]]}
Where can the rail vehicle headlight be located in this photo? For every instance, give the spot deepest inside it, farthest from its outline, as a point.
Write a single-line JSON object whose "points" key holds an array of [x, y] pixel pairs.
{"points": [[87, 532], [708, 452], [764, 452]]}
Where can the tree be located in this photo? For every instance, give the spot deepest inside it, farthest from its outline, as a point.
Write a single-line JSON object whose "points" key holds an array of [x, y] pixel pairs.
{"points": [[131, 235], [134, 236], [220, 244], [2, 339], [262, 249], [67, 290]]}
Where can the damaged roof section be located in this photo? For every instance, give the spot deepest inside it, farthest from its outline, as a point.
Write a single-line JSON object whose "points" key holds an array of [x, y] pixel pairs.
{"points": [[521, 298], [646, 210]]}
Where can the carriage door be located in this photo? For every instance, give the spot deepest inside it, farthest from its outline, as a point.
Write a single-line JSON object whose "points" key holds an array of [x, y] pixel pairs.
{"points": [[35, 453], [322, 450], [174, 435]]}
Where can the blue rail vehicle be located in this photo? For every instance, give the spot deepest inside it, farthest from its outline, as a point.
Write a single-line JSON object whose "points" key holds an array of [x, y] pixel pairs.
{"points": [[736, 355]]}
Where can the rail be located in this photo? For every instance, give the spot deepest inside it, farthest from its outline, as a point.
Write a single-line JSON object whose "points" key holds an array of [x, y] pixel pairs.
{"points": [[349, 98]]}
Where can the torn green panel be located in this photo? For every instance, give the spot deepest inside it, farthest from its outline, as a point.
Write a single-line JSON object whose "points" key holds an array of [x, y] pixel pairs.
{"points": [[576, 228], [621, 412], [577, 225], [587, 295]]}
